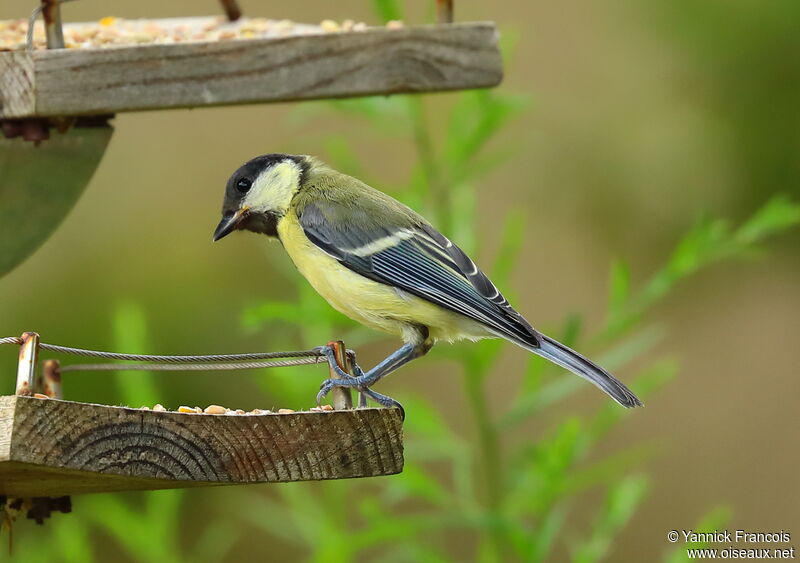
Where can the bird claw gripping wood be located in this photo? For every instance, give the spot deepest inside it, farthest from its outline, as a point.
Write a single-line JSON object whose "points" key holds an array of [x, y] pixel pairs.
{"points": [[348, 380]]}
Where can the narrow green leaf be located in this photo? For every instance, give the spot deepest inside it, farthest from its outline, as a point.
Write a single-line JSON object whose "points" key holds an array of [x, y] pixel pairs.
{"points": [[270, 311], [716, 519], [510, 245], [545, 533], [137, 388], [620, 504], [708, 242], [74, 541], [415, 483], [619, 287], [387, 10], [777, 215], [427, 421]]}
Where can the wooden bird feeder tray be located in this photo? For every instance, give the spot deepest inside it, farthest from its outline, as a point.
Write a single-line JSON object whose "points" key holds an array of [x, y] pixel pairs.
{"points": [[51, 448], [309, 62]]}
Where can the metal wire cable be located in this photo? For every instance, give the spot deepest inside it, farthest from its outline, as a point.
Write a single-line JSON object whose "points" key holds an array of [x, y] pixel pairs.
{"points": [[180, 363], [213, 362], [31, 23], [178, 359], [193, 367]]}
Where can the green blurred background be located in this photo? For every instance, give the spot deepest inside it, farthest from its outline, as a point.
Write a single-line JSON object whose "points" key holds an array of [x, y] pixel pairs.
{"points": [[632, 121]]}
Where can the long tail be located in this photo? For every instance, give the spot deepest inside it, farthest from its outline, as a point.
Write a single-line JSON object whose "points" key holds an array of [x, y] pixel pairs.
{"points": [[579, 365]]}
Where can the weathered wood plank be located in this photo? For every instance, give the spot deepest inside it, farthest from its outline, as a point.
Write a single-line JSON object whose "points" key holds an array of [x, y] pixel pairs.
{"points": [[301, 67], [51, 447], [17, 95]]}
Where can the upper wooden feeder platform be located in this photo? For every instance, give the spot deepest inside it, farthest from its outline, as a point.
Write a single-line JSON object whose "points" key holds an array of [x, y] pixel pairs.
{"points": [[300, 62]]}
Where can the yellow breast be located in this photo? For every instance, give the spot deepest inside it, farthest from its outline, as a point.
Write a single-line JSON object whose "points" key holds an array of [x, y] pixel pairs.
{"points": [[373, 304]]}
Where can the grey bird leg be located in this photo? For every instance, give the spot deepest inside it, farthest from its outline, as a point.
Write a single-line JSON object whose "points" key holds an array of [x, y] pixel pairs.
{"points": [[363, 380], [362, 396], [363, 392]]}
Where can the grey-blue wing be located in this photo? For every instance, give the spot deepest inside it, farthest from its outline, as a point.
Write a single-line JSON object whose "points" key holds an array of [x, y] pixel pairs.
{"points": [[417, 259]]}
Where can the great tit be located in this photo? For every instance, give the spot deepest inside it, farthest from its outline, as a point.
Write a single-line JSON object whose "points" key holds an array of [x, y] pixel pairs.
{"points": [[383, 265]]}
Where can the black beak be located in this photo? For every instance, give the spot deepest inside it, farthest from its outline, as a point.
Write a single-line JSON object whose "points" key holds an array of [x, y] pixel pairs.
{"points": [[228, 223]]}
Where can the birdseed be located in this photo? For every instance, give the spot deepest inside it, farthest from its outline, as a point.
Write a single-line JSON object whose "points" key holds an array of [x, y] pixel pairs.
{"points": [[115, 32]]}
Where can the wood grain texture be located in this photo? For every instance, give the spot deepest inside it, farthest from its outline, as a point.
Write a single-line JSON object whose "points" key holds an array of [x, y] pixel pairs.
{"points": [[302, 67], [17, 95], [51, 448]]}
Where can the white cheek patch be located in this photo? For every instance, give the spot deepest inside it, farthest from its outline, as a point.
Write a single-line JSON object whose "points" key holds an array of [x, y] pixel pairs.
{"points": [[274, 189]]}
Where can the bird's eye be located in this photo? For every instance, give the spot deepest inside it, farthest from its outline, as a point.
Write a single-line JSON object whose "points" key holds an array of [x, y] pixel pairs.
{"points": [[243, 184]]}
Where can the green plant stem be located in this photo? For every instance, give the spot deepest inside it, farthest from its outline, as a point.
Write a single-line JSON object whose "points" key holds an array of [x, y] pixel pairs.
{"points": [[488, 457], [426, 153]]}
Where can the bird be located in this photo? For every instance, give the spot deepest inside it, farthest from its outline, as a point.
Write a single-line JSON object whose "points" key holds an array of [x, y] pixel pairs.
{"points": [[383, 265]]}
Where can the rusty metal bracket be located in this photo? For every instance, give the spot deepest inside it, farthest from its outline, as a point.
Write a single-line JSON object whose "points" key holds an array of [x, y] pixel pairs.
{"points": [[51, 380], [341, 397], [232, 10], [37, 129], [42, 507], [444, 11], [34, 130], [53, 29], [28, 356]]}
